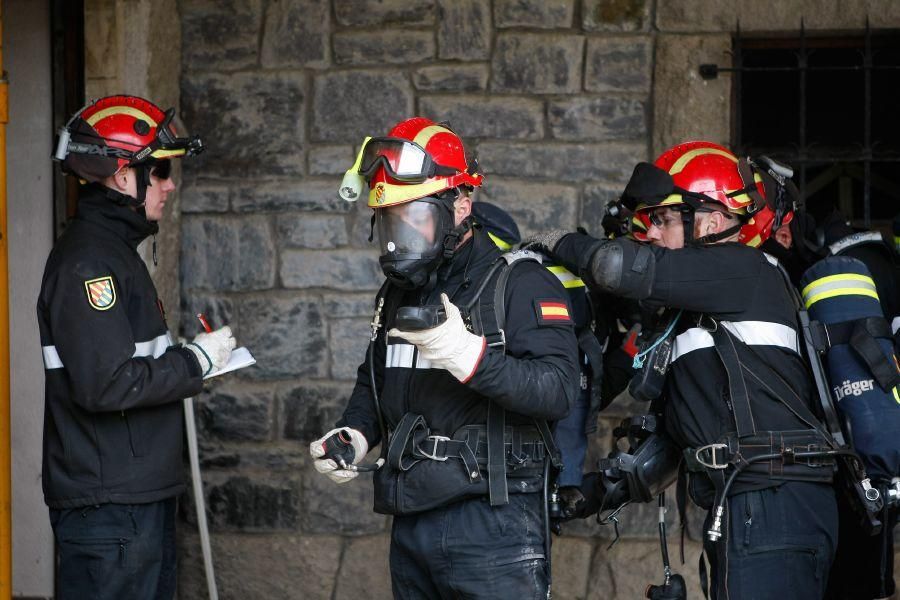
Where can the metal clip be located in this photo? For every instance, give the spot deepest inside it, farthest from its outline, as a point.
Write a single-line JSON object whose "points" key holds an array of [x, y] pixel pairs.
{"points": [[712, 453], [435, 439], [502, 341]]}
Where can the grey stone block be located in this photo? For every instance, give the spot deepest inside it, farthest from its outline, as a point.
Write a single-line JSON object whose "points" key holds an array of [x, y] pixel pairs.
{"points": [[361, 576], [204, 197], [285, 334], [615, 15], [219, 311], [239, 115], [596, 197], [464, 29], [534, 206], [629, 565], [537, 63], [722, 16], [381, 12], [681, 97], [350, 270], [543, 14], [271, 566], [479, 116], [347, 342], [451, 78], [310, 410], [349, 105], [253, 504], [345, 509], [571, 566], [603, 119], [304, 195], [226, 254], [619, 64], [611, 163], [285, 457], [311, 231], [330, 160], [296, 34], [219, 34], [235, 412], [383, 46], [349, 305]]}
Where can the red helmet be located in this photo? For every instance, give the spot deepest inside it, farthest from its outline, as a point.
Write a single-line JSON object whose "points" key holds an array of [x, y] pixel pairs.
{"points": [[418, 158], [694, 174], [120, 131]]}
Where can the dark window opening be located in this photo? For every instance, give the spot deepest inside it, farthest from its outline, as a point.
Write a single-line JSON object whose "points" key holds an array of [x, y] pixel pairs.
{"points": [[826, 106]]}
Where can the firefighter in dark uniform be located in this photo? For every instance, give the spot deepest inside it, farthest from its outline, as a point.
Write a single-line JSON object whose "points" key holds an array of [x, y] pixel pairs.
{"points": [[736, 380], [113, 423], [864, 564], [467, 406]]}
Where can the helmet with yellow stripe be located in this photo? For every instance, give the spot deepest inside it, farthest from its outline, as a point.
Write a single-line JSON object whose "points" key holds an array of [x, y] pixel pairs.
{"points": [[703, 176], [120, 131]]}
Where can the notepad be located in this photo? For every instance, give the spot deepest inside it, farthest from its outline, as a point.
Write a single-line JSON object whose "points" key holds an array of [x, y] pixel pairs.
{"points": [[240, 358]]}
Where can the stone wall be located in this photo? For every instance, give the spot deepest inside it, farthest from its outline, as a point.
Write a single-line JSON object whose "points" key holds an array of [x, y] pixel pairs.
{"points": [[559, 98]]}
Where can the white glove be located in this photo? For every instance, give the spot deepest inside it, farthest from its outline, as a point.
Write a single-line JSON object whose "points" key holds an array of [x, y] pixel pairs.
{"points": [[213, 349], [327, 465], [448, 346]]}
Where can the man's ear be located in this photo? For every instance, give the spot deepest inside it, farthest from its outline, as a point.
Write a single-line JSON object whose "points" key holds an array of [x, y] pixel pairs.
{"points": [[784, 236], [119, 179], [718, 221], [462, 208]]}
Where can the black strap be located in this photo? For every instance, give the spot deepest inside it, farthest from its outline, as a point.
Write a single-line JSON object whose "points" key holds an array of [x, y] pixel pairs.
{"points": [[496, 467], [866, 347], [737, 386], [410, 430]]}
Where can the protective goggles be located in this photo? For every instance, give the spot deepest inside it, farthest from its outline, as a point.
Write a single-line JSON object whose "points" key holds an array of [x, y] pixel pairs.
{"points": [[405, 162]]}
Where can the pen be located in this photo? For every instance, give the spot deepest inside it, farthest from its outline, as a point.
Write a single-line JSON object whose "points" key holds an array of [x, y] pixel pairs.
{"points": [[204, 322]]}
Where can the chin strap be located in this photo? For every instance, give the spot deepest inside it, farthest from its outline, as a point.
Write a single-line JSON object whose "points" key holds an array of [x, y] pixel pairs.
{"points": [[715, 237], [452, 239]]}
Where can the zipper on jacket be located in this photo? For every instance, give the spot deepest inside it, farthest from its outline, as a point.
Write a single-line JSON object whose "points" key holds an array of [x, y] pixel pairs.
{"points": [[130, 438]]}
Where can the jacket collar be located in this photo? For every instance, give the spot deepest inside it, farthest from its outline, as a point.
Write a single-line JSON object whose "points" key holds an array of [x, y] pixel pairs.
{"points": [[110, 210]]}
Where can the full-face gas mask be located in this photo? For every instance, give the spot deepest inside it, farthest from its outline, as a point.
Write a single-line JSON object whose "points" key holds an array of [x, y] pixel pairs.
{"points": [[416, 237]]}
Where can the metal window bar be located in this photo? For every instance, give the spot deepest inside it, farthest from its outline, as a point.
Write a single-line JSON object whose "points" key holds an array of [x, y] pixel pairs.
{"points": [[805, 155]]}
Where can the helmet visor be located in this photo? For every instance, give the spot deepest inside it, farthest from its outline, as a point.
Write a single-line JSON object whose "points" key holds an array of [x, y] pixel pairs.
{"points": [[409, 230]]}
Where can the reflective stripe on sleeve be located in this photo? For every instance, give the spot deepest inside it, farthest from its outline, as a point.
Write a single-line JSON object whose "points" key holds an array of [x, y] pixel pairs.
{"points": [[752, 333], [566, 277], [155, 348], [843, 284]]}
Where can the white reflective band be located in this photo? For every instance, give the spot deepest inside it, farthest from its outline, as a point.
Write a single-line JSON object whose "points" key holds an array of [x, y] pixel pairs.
{"points": [[895, 324], [401, 356], [51, 358], [752, 333], [772, 260], [155, 348]]}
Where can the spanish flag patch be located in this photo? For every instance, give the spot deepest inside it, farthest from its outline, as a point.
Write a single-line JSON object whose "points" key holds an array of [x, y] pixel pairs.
{"points": [[552, 311]]}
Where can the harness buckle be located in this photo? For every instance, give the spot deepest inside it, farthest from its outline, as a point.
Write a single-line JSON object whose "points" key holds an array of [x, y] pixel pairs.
{"points": [[501, 342], [713, 463], [435, 440]]}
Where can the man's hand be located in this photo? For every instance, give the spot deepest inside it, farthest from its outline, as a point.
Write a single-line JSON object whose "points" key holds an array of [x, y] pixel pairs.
{"points": [[213, 349], [448, 346], [336, 450], [544, 241]]}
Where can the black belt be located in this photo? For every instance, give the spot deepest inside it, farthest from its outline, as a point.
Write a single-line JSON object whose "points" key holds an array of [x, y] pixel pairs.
{"points": [[412, 441], [791, 446]]}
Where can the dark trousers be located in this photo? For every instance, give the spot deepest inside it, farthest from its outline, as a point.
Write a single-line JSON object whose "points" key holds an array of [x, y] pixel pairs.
{"points": [[780, 543], [864, 566], [115, 551], [471, 550]]}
